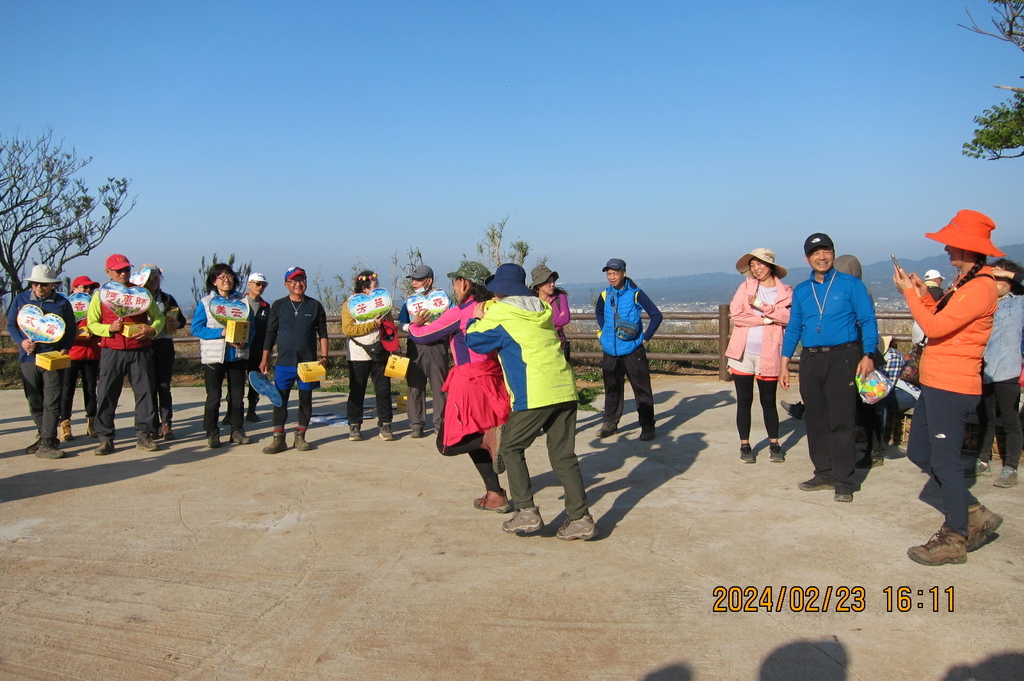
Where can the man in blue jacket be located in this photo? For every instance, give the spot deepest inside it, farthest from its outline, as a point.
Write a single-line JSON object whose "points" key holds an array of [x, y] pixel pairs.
{"points": [[42, 386], [834, 319], [622, 339]]}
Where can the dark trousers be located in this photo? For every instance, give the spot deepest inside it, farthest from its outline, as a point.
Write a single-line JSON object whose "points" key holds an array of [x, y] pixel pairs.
{"points": [[634, 367], [88, 369], [43, 392], [558, 421], [481, 458], [936, 437], [214, 375], [359, 374], [1002, 397], [830, 401], [305, 410], [426, 363], [745, 401], [163, 371], [137, 365]]}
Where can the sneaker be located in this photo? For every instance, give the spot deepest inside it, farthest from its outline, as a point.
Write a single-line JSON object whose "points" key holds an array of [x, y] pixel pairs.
{"points": [[105, 447], [981, 523], [944, 548], [385, 432], [583, 528], [607, 429], [982, 468], [776, 453], [146, 443], [646, 433], [417, 432], [844, 494], [65, 431], [747, 454], [238, 437], [816, 484], [48, 450], [524, 521], [355, 435], [1007, 477], [795, 410]]}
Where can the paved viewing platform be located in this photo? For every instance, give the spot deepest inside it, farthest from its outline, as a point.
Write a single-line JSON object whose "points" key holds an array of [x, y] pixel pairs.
{"points": [[366, 560]]}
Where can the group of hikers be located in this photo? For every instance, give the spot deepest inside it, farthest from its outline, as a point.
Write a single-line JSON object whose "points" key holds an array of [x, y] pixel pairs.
{"points": [[496, 359]]}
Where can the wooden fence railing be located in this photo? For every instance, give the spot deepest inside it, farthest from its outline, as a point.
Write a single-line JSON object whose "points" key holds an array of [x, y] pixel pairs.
{"points": [[720, 335]]}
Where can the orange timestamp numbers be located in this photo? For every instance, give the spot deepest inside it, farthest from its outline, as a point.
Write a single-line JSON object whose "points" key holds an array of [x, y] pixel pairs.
{"points": [[828, 599]]}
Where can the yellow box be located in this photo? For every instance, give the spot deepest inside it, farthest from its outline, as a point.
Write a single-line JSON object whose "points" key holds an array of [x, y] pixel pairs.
{"points": [[402, 401], [311, 372], [236, 331], [397, 367], [83, 332], [52, 361], [130, 330]]}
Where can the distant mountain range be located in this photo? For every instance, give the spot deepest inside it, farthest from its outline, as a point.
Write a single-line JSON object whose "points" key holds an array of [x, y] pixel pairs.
{"points": [[700, 291]]}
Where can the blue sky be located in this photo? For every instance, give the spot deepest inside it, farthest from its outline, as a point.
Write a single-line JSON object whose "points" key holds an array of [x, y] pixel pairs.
{"points": [[675, 135]]}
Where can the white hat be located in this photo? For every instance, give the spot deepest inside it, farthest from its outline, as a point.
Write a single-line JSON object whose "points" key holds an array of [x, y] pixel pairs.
{"points": [[257, 277], [43, 274], [932, 274]]}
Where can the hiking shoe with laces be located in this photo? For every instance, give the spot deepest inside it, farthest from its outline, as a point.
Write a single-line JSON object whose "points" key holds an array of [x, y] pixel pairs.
{"points": [[981, 523], [355, 433], [65, 431], [385, 432], [34, 447], [582, 528], [982, 468], [1007, 477], [844, 493], [146, 444], [213, 440], [524, 521], [747, 454], [417, 432], [816, 484], [607, 429], [105, 447], [776, 453], [238, 437], [944, 548], [48, 450]]}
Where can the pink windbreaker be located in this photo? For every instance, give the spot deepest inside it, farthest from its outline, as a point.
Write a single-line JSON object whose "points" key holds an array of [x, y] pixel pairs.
{"points": [[744, 316]]}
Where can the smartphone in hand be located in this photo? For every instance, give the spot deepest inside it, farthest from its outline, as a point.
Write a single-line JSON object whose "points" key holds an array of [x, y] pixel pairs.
{"points": [[895, 261]]}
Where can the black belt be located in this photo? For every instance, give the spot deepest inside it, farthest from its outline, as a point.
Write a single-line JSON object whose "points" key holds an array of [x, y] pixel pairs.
{"points": [[828, 348]]}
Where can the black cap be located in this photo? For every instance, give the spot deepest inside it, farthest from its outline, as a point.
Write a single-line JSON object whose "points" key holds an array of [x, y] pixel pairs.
{"points": [[816, 242]]}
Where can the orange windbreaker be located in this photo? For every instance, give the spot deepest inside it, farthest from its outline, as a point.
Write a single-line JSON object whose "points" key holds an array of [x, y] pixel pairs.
{"points": [[957, 335]]}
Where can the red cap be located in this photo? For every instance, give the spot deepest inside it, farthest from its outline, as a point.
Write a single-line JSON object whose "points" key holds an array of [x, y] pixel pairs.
{"points": [[294, 272], [117, 262], [83, 281]]}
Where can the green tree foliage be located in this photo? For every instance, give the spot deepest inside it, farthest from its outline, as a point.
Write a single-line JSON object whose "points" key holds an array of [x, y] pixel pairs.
{"points": [[1001, 131], [46, 214]]}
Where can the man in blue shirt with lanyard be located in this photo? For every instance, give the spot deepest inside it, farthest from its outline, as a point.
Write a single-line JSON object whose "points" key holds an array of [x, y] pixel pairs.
{"points": [[833, 317]]}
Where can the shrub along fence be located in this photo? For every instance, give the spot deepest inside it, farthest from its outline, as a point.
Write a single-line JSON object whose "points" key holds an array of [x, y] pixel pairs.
{"points": [[687, 337]]}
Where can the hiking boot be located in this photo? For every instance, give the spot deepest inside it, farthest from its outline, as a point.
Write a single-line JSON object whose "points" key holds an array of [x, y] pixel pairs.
{"points": [[354, 435], [300, 443], [583, 528], [213, 440], [871, 460], [48, 450], [944, 548], [276, 445], [385, 432], [816, 484], [747, 454], [417, 431], [105, 447], [251, 415], [1007, 477], [981, 523], [146, 443], [982, 468], [524, 521], [238, 437], [844, 493], [65, 431], [776, 453], [166, 433], [34, 447], [607, 429], [647, 433], [794, 410], [90, 426]]}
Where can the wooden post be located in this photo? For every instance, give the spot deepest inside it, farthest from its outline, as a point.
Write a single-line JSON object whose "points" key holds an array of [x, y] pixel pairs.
{"points": [[723, 343]]}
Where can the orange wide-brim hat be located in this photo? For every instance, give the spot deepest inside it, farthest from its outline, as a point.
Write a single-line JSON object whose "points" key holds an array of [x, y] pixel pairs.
{"points": [[969, 230]]}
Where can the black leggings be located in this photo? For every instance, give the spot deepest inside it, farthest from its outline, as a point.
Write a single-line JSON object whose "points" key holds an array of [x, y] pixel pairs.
{"points": [[745, 400], [473, 445], [305, 410]]}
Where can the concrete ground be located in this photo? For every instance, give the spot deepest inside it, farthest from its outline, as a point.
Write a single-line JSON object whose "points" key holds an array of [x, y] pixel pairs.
{"points": [[367, 561]]}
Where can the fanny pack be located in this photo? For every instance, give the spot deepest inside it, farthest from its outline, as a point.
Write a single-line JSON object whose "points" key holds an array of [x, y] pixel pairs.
{"points": [[624, 331]]}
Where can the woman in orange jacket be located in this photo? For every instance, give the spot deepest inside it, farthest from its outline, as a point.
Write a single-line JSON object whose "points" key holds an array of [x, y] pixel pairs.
{"points": [[957, 326]]}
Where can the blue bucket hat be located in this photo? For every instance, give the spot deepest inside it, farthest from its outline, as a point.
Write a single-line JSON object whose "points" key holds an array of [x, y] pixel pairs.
{"points": [[508, 280]]}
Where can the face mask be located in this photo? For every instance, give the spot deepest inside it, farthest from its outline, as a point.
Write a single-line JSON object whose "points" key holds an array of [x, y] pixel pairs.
{"points": [[421, 290]]}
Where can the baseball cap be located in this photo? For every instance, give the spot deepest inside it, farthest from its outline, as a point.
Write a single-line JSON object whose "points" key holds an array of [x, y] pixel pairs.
{"points": [[933, 274], [471, 270], [117, 262], [83, 281], [615, 264], [294, 273], [258, 277], [421, 272], [818, 241]]}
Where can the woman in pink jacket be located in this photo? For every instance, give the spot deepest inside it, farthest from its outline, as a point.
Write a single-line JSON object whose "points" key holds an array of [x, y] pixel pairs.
{"points": [[760, 312]]}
